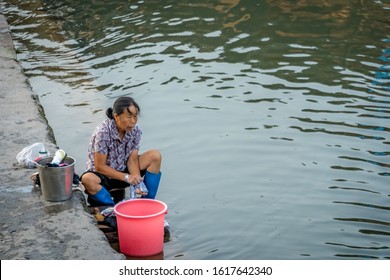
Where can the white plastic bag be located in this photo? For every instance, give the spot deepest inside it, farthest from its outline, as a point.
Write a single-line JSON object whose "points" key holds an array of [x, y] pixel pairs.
{"points": [[28, 156]]}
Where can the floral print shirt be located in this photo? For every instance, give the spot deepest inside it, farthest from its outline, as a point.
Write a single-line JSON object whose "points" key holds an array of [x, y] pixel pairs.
{"points": [[105, 140]]}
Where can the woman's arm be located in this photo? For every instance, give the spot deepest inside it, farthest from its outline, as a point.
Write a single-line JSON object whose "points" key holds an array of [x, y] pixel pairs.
{"points": [[133, 167], [102, 167]]}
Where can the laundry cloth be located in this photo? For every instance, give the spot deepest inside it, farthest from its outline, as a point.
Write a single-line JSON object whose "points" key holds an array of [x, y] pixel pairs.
{"points": [[137, 191]]}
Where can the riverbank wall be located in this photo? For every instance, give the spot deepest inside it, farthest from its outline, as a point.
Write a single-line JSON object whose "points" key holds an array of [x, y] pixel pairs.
{"points": [[32, 228]]}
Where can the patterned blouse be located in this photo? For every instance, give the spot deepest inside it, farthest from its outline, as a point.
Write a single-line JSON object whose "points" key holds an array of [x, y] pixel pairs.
{"points": [[105, 140]]}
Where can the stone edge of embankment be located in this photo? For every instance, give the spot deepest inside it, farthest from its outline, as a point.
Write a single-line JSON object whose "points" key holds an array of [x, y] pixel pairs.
{"points": [[31, 227]]}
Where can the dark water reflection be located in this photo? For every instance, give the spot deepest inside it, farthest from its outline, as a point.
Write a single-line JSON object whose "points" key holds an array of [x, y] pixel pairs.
{"points": [[272, 115]]}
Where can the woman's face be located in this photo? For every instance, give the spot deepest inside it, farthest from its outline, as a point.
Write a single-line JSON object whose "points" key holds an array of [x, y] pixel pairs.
{"points": [[127, 120]]}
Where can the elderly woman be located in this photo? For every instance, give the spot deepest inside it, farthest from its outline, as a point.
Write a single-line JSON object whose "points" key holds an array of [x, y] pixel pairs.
{"points": [[113, 156]]}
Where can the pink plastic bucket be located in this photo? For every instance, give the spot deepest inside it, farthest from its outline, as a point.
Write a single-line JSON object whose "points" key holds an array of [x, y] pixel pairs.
{"points": [[141, 226]]}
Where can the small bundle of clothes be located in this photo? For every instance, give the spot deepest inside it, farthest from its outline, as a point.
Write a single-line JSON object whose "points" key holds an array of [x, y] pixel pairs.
{"points": [[138, 191]]}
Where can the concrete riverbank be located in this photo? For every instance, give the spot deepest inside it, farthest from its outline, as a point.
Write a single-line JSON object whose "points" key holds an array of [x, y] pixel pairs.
{"points": [[32, 228]]}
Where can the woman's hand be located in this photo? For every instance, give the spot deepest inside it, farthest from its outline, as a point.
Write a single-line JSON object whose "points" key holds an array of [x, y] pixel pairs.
{"points": [[133, 179]]}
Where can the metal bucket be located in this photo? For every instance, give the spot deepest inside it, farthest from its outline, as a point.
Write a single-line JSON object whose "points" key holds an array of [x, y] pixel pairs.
{"points": [[56, 182]]}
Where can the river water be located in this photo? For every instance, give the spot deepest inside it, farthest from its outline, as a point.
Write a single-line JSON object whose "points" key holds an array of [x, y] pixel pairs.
{"points": [[272, 116]]}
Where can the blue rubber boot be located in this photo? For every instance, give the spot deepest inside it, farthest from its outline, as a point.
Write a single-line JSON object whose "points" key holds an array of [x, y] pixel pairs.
{"points": [[102, 197], [152, 180]]}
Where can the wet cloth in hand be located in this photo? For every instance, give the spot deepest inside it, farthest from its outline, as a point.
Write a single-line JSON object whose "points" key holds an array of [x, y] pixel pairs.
{"points": [[138, 191]]}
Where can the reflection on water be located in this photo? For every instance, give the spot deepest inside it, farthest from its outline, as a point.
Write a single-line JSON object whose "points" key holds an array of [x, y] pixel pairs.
{"points": [[271, 115]]}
